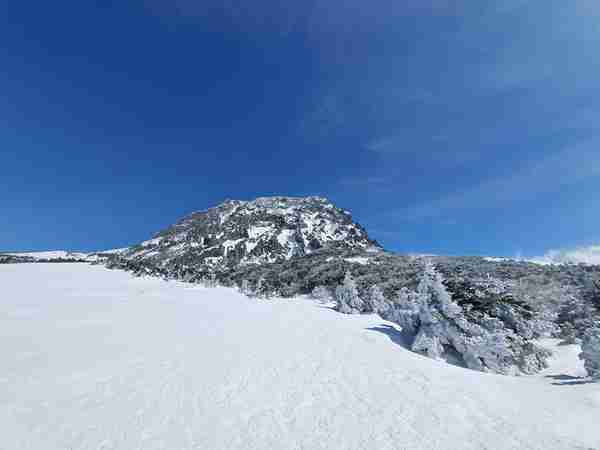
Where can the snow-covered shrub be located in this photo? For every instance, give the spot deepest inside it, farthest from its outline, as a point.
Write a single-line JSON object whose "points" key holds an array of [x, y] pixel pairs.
{"points": [[528, 324], [347, 298], [575, 317], [321, 293], [210, 280], [262, 289], [590, 351], [435, 308], [405, 311], [255, 289], [440, 328], [376, 301], [246, 289]]}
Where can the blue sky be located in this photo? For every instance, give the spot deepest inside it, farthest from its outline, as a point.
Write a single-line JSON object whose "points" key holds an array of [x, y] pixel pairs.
{"points": [[445, 127]]}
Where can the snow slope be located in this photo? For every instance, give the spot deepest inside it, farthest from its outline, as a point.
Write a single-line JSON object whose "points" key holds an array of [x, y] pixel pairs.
{"points": [[95, 359]]}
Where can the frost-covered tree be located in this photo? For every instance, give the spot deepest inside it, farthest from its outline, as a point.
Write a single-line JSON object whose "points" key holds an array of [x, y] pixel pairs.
{"points": [[575, 317], [210, 280], [321, 293], [405, 311], [262, 288], [376, 301], [347, 298], [439, 328], [246, 289], [590, 351], [436, 309]]}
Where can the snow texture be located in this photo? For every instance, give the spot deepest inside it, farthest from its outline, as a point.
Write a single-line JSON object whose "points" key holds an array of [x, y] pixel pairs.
{"points": [[97, 359], [358, 260]]}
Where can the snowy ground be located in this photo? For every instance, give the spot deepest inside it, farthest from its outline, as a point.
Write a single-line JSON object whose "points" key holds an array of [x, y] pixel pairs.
{"points": [[56, 254], [96, 359]]}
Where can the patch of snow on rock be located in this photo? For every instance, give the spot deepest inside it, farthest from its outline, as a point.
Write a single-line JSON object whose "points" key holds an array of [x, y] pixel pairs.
{"points": [[358, 260]]}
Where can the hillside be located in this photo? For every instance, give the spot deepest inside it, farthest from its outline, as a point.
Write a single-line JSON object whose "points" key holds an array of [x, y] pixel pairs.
{"points": [[477, 312], [95, 358], [480, 313]]}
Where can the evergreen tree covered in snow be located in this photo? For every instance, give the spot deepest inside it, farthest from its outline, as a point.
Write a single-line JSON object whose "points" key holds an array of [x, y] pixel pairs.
{"points": [[347, 298], [262, 289], [440, 329], [405, 311], [246, 289], [321, 293], [575, 317], [376, 301], [590, 351], [436, 308]]}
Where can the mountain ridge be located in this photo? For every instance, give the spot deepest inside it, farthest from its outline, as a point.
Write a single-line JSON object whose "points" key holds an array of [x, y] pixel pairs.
{"points": [[263, 230]]}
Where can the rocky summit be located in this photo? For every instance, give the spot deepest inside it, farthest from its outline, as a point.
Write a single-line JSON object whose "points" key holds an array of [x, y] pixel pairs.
{"points": [[264, 230]]}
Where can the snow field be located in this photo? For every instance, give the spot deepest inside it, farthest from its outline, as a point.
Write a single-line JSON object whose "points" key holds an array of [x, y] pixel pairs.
{"points": [[96, 359]]}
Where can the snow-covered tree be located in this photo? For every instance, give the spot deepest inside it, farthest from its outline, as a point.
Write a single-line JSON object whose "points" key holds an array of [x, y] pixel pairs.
{"points": [[575, 317], [347, 297], [439, 328], [262, 288], [405, 311], [246, 289], [436, 309], [321, 293], [376, 301], [210, 280], [590, 351]]}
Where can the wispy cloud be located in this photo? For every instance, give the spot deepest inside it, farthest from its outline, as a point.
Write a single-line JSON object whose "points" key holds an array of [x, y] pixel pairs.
{"points": [[585, 255], [568, 167]]}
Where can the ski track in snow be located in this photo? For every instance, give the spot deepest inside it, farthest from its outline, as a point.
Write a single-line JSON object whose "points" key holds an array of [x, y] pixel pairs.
{"points": [[96, 359]]}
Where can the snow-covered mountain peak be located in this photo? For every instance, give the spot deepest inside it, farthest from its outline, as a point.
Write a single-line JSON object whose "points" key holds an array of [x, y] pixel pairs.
{"points": [[266, 229]]}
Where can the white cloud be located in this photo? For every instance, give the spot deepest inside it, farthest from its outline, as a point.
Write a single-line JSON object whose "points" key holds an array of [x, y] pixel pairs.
{"points": [[585, 255]]}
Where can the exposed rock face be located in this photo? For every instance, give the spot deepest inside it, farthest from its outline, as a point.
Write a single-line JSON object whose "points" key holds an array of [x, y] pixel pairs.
{"points": [[265, 230]]}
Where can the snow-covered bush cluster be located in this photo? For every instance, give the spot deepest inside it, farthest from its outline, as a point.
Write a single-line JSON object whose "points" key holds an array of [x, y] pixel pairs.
{"points": [[257, 290], [483, 314], [590, 351], [347, 298], [321, 293], [12, 259], [435, 325]]}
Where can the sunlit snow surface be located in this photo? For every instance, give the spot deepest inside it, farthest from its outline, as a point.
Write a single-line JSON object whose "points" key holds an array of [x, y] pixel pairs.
{"points": [[96, 359]]}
